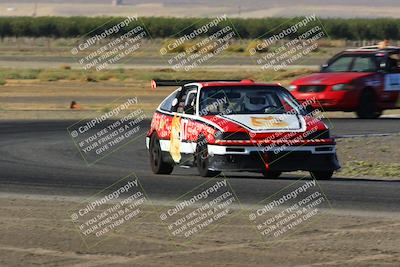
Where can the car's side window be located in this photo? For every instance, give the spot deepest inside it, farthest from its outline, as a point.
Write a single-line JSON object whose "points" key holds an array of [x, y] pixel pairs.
{"points": [[364, 64], [341, 64], [166, 105], [190, 102], [393, 63], [182, 98]]}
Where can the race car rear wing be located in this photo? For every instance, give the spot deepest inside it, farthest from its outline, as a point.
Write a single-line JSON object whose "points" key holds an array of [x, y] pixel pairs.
{"points": [[157, 83]]}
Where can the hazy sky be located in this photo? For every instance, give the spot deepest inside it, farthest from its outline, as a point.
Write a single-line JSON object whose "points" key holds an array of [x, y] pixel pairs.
{"points": [[226, 2], [205, 8]]}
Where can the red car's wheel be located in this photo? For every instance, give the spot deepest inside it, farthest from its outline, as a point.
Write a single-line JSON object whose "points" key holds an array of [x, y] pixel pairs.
{"points": [[202, 160], [158, 166], [368, 106]]}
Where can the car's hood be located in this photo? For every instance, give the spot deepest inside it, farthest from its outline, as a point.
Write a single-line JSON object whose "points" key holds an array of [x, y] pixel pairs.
{"points": [[329, 78], [261, 122]]}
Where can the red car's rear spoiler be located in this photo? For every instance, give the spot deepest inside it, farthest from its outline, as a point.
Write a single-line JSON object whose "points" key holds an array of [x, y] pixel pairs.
{"points": [[157, 83]]}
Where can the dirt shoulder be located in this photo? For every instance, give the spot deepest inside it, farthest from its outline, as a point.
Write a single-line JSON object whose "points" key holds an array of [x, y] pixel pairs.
{"points": [[40, 232], [370, 156]]}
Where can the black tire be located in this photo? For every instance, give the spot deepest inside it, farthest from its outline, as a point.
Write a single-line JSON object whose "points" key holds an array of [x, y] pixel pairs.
{"points": [[202, 160], [158, 166], [321, 175], [271, 174], [368, 106]]}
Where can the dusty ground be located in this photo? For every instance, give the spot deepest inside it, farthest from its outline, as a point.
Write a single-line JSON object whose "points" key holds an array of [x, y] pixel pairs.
{"points": [[29, 99], [35, 99], [372, 156], [39, 232]]}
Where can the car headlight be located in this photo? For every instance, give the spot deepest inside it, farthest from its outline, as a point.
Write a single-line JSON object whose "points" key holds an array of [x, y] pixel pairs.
{"points": [[292, 87], [342, 86]]}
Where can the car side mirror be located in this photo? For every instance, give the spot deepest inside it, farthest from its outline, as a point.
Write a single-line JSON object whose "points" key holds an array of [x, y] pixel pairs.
{"points": [[174, 102], [323, 67], [382, 66]]}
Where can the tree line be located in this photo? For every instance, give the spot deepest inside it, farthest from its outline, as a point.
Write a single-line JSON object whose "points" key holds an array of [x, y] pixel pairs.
{"points": [[72, 27]]}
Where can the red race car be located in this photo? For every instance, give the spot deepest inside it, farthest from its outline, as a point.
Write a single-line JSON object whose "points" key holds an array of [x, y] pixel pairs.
{"points": [[237, 126], [365, 80]]}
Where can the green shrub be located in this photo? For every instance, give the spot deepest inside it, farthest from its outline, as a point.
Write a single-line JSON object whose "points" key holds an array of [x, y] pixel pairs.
{"points": [[51, 75], [91, 78], [21, 74], [235, 48], [162, 27], [254, 45], [169, 46]]}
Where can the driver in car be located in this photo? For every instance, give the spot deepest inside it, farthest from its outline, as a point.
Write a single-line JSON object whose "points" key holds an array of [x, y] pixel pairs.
{"points": [[254, 103]]}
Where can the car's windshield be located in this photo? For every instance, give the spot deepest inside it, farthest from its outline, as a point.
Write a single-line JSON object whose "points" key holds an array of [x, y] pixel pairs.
{"points": [[247, 100], [352, 63]]}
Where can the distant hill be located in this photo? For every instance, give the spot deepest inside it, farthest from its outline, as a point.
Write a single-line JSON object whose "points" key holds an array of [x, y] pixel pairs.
{"points": [[204, 8]]}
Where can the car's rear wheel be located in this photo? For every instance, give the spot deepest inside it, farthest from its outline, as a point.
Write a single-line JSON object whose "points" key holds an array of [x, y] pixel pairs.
{"points": [[202, 160], [368, 106], [158, 165], [321, 175], [271, 174]]}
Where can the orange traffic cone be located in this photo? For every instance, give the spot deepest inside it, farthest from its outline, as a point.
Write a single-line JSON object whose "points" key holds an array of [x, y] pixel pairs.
{"points": [[74, 105]]}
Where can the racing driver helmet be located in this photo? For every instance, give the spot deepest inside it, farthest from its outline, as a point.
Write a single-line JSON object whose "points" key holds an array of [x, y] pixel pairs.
{"points": [[254, 102]]}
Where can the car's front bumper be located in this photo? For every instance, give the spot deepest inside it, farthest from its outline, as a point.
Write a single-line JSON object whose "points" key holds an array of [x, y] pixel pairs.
{"points": [[329, 100], [306, 158], [292, 161], [319, 155]]}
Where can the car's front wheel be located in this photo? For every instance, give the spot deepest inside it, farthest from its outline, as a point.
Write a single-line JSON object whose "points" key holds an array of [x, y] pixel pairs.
{"points": [[368, 106], [321, 175], [202, 160], [158, 165]]}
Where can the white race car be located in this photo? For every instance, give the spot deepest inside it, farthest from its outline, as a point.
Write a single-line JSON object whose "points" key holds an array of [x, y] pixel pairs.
{"points": [[238, 126]]}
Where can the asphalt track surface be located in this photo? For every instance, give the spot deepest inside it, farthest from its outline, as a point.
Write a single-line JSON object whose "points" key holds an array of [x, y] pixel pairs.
{"points": [[39, 157]]}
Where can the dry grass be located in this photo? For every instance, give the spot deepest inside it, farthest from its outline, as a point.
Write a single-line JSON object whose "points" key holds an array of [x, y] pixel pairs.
{"points": [[39, 232]]}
